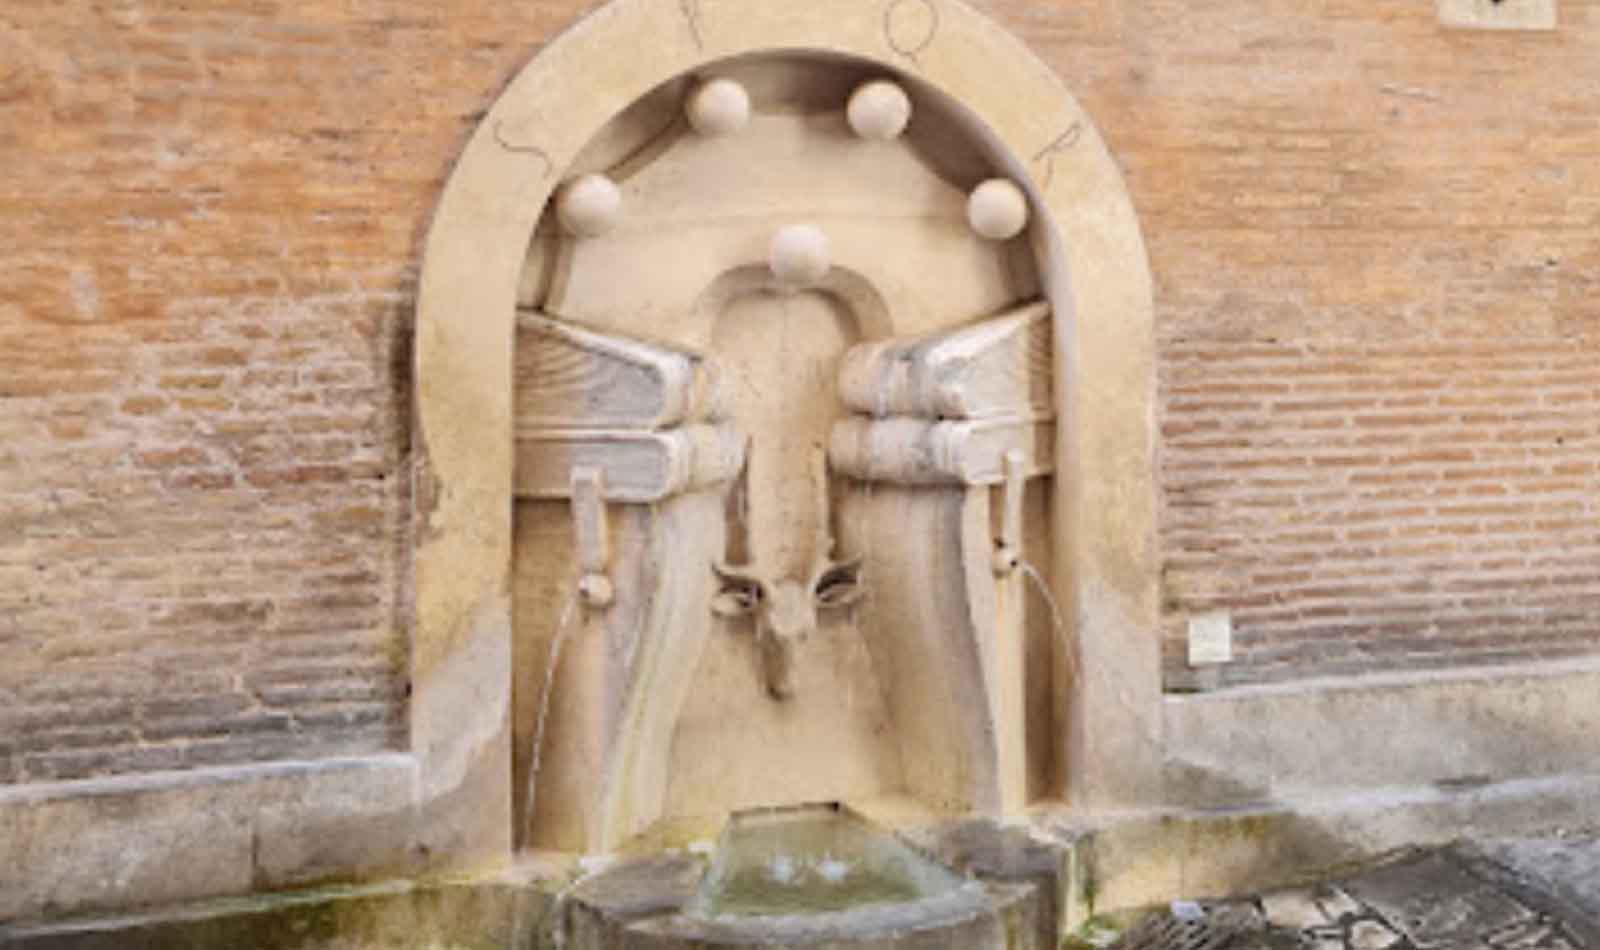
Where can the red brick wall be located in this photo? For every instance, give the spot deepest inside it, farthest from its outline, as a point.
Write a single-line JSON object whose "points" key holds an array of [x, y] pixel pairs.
{"points": [[199, 534], [1377, 251], [1365, 505], [210, 217], [209, 221]]}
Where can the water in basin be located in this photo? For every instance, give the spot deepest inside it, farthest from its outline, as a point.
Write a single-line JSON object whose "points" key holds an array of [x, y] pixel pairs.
{"points": [[813, 859]]}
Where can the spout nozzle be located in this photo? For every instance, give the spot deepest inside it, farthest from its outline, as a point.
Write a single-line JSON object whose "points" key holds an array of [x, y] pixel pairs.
{"points": [[597, 590]]}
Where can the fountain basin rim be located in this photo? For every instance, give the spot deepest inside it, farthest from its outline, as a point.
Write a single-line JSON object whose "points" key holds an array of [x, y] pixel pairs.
{"points": [[865, 924]]}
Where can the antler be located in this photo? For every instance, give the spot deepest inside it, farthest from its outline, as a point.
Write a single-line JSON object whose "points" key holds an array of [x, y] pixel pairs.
{"points": [[823, 563], [822, 543], [745, 586]]}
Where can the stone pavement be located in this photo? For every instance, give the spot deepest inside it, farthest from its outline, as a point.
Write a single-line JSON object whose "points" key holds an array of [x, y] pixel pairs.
{"points": [[1526, 894]]}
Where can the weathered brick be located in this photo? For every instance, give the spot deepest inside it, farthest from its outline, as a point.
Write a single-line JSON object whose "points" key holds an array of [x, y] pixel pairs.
{"points": [[141, 405], [171, 457]]}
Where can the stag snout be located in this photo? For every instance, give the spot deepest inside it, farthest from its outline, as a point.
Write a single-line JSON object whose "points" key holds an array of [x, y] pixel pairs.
{"points": [[785, 610]]}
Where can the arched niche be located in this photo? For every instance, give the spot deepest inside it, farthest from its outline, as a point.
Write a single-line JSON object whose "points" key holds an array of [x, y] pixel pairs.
{"points": [[1092, 270]]}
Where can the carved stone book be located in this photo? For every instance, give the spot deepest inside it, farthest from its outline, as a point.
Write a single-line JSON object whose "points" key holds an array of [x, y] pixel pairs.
{"points": [[637, 465], [918, 452], [997, 366], [569, 377]]}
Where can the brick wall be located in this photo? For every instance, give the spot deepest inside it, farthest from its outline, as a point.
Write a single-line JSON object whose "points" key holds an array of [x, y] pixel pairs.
{"points": [[210, 216], [1379, 505], [209, 222], [199, 535], [1377, 250]]}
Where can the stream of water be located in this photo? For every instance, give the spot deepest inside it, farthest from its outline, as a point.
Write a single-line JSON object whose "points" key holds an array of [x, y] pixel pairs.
{"points": [[563, 628]]}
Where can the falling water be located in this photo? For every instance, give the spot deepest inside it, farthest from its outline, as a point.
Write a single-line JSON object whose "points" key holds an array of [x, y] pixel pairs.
{"points": [[1074, 665], [563, 627], [1056, 621]]}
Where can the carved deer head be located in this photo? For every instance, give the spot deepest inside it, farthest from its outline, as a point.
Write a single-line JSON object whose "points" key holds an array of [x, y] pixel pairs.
{"points": [[785, 608]]}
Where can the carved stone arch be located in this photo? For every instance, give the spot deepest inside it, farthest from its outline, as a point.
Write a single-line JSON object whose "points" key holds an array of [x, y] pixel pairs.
{"points": [[849, 287], [1095, 277]]}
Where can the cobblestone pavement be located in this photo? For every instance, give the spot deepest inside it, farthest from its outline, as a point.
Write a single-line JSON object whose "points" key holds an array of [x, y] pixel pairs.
{"points": [[1528, 894]]}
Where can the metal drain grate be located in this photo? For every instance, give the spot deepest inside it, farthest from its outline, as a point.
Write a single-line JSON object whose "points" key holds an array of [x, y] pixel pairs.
{"points": [[1217, 928]]}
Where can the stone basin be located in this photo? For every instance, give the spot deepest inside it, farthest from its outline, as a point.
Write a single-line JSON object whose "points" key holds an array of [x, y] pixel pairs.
{"points": [[810, 876]]}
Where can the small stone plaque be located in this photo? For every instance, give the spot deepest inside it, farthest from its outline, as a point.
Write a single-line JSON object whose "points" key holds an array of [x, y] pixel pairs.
{"points": [[1498, 14], [1210, 639]]}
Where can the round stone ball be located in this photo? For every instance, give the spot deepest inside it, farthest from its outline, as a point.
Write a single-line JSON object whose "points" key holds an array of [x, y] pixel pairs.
{"points": [[589, 206], [879, 110], [719, 107], [998, 210], [799, 255]]}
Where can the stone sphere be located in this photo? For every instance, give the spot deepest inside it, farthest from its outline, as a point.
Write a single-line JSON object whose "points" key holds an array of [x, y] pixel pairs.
{"points": [[998, 210], [719, 107], [879, 110], [799, 256], [589, 206]]}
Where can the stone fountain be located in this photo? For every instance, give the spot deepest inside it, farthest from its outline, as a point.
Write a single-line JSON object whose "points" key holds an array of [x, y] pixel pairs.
{"points": [[784, 423], [778, 368]]}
